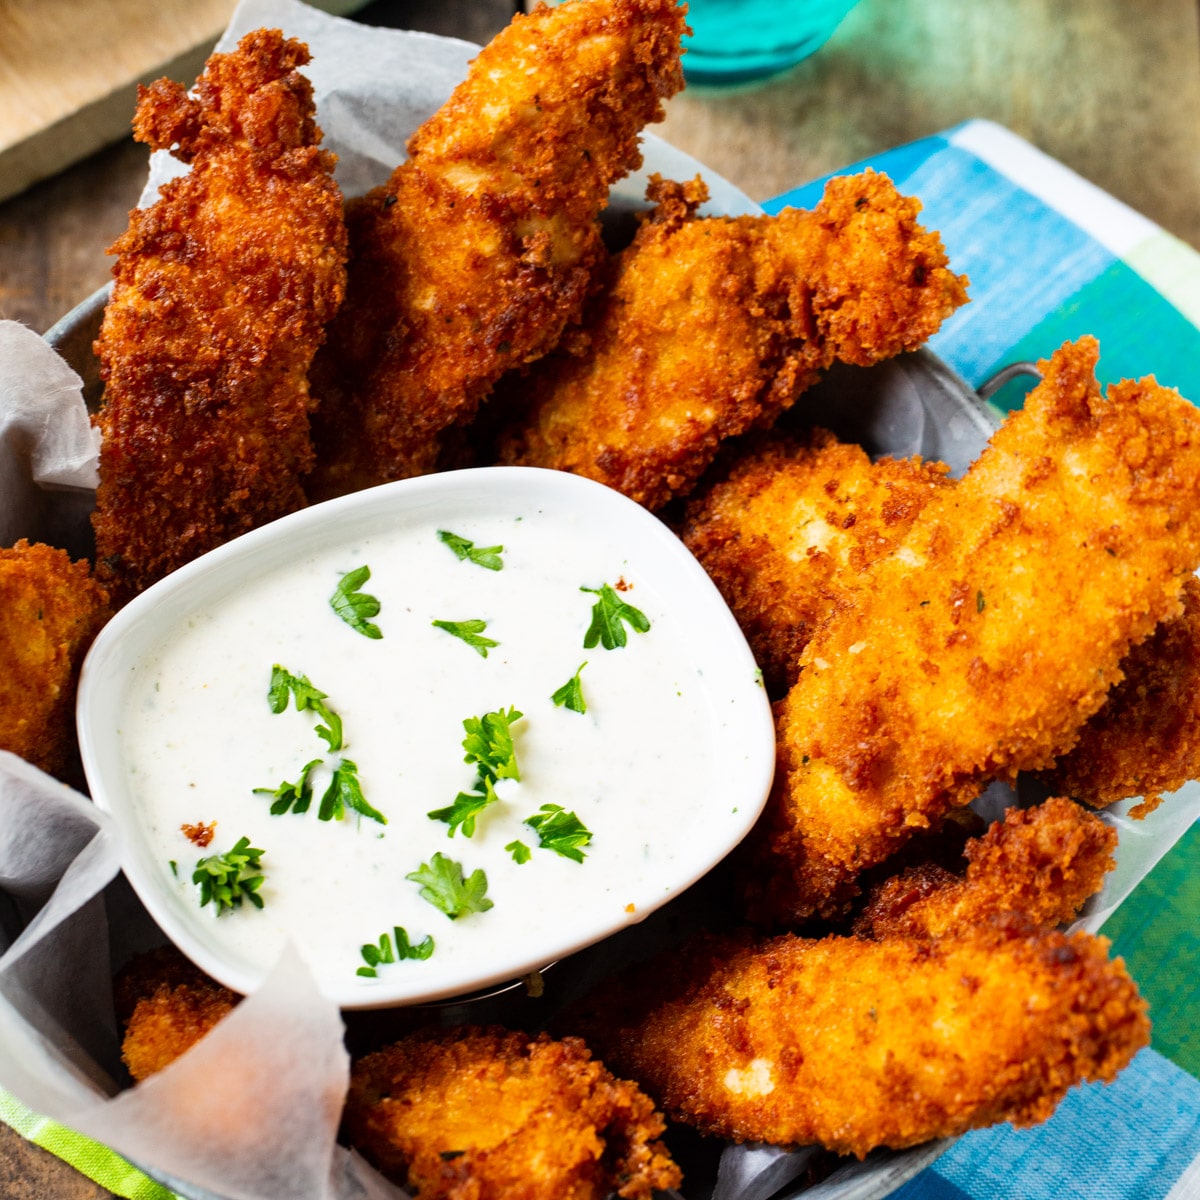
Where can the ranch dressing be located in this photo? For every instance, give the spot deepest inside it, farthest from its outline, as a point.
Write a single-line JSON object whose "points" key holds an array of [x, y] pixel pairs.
{"points": [[198, 736]]}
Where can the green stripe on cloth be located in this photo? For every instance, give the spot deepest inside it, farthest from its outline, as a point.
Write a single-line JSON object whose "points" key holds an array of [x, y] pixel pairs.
{"points": [[1140, 334], [1157, 933], [97, 1162]]}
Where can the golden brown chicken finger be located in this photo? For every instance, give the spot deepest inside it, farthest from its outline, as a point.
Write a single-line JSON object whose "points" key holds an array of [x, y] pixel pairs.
{"points": [[477, 1114], [1041, 862], [50, 610], [481, 248], [788, 533], [1146, 739], [165, 1006], [223, 288], [857, 1044], [713, 326], [981, 645]]}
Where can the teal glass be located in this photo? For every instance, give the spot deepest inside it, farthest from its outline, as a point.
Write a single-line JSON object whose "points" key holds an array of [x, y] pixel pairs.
{"points": [[734, 41]]}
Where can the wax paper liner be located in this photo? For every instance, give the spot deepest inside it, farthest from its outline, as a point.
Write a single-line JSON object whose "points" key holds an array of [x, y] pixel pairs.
{"points": [[251, 1112]]}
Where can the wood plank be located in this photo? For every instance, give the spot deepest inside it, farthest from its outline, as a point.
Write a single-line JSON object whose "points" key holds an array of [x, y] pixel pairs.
{"points": [[69, 72]]}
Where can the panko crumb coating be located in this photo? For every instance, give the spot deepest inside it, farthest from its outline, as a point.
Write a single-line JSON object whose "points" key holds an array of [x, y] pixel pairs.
{"points": [[982, 644], [477, 1114], [1041, 862], [482, 247], [712, 326], [165, 1005], [787, 534], [223, 288], [1146, 739], [50, 611], [857, 1044]]}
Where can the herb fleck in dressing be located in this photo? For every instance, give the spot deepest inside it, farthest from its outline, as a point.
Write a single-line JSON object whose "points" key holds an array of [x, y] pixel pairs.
{"points": [[568, 806]]}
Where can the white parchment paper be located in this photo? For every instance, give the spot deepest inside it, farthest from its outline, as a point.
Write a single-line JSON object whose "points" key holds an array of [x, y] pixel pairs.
{"points": [[251, 1112]]}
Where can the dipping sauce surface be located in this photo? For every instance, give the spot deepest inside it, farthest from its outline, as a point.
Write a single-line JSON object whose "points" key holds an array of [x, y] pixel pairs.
{"points": [[645, 771]]}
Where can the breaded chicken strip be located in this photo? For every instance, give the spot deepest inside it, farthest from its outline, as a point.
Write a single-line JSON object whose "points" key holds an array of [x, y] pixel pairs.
{"points": [[989, 636], [223, 288], [481, 248], [1146, 739], [477, 1114], [50, 610], [857, 1044], [165, 1005], [1041, 862], [788, 533], [713, 326]]}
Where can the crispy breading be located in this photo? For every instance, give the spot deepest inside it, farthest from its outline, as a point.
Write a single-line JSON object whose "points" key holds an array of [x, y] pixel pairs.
{"points": [[472, 1114], [713, 326], [994, 631], [50, 610], [788, 533], [857, 1044], [1042, 862], [165, 1006], [1146, 739], [223, 288], [481, 248]]}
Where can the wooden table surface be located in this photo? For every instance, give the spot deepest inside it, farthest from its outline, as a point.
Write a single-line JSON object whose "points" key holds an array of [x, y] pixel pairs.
{"points": [[1111, 88]]}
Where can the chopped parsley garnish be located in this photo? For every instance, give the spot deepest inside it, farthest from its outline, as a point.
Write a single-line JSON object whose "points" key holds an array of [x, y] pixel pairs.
{"points": [[487, 557], [560, 831], [345, 791], [608, 613], [228, 879], [466, 807], [980, 602], [469, 632], [375, 955], [443, 886], [570, 695], [307, 697], [489, 744], [294, 797], [355, 607], [519, 851]]}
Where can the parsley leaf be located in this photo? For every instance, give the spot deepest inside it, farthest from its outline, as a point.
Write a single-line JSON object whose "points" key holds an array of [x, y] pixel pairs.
{"points": [[345, 791], [353, 606], [560, 831], [307, 697], [294, 796], [470, 632], [466, 807], [489, 743], [375, 955], [607, 614], [570, 695], [226, 879], [487, 557], [520, 852], [443, 886]]}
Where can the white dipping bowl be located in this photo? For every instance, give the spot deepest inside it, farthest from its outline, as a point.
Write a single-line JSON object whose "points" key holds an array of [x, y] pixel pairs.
{"points": [[651, 840]]}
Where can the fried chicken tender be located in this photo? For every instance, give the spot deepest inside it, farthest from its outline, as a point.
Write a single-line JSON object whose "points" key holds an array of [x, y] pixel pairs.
{"points": [[472, 1114], [223, 288], [713, 326], [1146, 739], [1042, 862], [857, 1044], [481, 248], [988, 637], [788, 533], [165, 1006], [50, 611]]}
